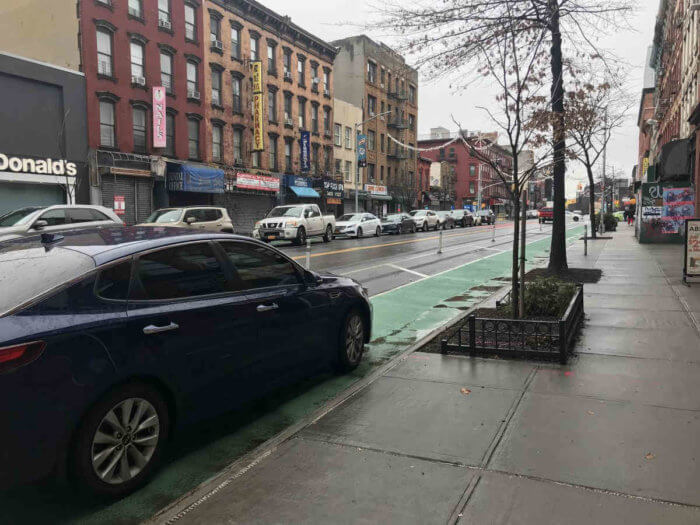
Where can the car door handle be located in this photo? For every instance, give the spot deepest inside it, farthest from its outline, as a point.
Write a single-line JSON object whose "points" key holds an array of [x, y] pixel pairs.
{"points": [[267, 307], [153, 329]]}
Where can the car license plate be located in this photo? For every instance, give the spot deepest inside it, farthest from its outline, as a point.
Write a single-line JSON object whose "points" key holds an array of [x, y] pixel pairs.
{"points": [[271, 237]]}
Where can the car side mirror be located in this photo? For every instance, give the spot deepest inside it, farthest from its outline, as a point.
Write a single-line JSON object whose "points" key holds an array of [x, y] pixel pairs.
{"points": [[190, 220], [311, 278], [40, 224]]}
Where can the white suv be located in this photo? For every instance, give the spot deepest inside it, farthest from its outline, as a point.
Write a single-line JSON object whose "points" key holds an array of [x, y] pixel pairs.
{"points": [[207, 218], [425, 219]]}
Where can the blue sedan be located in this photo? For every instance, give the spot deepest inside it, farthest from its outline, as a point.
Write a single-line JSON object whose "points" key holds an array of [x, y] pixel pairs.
{"points": [[113, 338]]}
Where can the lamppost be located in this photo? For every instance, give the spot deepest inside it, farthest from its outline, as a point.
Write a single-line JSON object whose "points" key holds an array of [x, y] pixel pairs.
{"points": [[357, 173]]}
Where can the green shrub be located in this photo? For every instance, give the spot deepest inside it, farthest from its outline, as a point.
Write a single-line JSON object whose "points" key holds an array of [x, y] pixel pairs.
{"points": [[546, 297], [609, 220]]}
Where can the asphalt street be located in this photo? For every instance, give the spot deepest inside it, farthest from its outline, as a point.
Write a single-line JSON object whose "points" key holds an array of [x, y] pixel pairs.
{"points": [[387, 262]]}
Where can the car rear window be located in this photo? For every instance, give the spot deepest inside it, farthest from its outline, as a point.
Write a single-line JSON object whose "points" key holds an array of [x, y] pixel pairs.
{"points": [[29, 271]]}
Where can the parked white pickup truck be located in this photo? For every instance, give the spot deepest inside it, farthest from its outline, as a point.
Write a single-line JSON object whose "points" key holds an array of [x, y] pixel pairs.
{"points": [[295, 223]]}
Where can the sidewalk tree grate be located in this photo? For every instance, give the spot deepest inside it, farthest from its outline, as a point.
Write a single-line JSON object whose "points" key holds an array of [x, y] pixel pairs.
{"points": [[519, 338]]}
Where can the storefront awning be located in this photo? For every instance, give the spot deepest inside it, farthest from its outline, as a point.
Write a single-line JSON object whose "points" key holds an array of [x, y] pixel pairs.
{"points": [[381, 197], [191, 177], [301, 191]]}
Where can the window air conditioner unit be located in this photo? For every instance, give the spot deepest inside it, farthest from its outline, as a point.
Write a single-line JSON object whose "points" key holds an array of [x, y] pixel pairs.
{"points": [[191, 93], [288, 75], [371, 113], [217, 44], [327, 92], [382, 85], [138, 81], [165, 24], [289, 122], [315, 80]]}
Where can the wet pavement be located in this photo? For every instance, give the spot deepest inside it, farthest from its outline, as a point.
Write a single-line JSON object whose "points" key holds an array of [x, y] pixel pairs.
{"points": [[611, 438]]}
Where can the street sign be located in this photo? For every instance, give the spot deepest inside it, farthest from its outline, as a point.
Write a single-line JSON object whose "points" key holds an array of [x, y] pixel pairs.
{"points": [[362, 150]]}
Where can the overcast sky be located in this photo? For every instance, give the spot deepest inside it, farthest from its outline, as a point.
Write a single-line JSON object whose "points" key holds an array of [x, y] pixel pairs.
{"points": [[325, 19]]}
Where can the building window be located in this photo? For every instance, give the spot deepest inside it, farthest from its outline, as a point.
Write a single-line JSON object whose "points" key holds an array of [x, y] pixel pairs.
{"points": [[190, 23], [214, 29], [371, 105], [348, 169], [412, 122], [135, 8], [108, 137], [314, 118], [337, 135], [104, 52], [472, 189], [164, 10], [271, 58], [139, 128], [381, 173], [193, 138], [381, 142], [327, 156], [238, 146], [137, 61], [372, 72], [287, 64], [216, 143], [371, 139], [388, 174], [370, 172], [236, 86], [382, 75], [273, 153], [348, 137], [192, 80], [300, 70], [302, 113], [314, 77], [326, 82], [472, 170], [412, 94], [166, 72], [314, 158], [170, 134], [272, 106], [288, 155], [338, 168], [254, 45], [288, 109], [216, 87], [327, 121], [255, 159], [235, 43]]}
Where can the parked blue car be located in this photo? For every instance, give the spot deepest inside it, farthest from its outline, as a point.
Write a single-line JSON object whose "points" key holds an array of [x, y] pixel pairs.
{"points": [[113, 338]]}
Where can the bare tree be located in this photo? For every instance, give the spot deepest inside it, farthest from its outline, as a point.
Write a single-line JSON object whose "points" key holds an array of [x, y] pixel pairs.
{"points": [[404, 190], [452, 34], [593, 112]]}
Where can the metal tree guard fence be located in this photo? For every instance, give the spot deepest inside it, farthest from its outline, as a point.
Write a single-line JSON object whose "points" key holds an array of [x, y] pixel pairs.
{"points": [[519, 338]]}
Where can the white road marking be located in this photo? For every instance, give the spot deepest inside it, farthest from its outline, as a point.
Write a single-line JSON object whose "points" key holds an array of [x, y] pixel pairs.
{"points": [[407, 270]]}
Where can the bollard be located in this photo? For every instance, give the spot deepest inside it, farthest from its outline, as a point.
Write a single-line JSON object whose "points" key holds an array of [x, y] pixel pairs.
{"points": [[585, 239], [540, 225], [493, 233], [440, 242], [308, 253]]}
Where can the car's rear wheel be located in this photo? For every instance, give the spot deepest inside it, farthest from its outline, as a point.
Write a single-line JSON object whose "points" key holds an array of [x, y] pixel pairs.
{"points": [[359, 233], [328, 236], [377, 232], [352, 341], [120, 440], [413, 228]]}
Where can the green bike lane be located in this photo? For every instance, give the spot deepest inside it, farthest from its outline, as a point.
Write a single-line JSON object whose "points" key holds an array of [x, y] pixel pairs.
{"points": [[402, 317]]}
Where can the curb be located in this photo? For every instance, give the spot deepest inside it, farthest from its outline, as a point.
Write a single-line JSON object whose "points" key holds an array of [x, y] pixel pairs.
{"points": [[200, 494]]}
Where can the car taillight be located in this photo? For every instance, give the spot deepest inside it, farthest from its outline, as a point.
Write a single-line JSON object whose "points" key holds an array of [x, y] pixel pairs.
{"points": [[13, 357]]}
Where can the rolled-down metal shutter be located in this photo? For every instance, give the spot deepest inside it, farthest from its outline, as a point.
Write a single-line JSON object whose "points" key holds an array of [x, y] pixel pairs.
{"points": [[137, 193], [244, 210]]}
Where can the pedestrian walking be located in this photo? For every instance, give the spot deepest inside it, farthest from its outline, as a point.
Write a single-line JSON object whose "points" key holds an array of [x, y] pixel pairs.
{"points": [[626, 215]]}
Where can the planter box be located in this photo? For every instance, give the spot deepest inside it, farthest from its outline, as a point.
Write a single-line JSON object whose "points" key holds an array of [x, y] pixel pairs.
{"points": [[524, 339]]}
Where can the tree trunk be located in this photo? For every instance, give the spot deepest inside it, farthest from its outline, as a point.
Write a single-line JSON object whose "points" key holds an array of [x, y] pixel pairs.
{"points": [[591, 198], [557, 253], [515, 275], [523, 229]]}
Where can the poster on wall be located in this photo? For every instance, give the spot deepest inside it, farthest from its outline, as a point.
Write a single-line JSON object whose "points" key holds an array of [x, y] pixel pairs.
{"points": [[664, 210], [119, 205], [691, 272], [678, 206]]}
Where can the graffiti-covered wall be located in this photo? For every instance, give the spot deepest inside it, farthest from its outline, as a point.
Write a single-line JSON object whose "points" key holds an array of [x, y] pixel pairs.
{"points": [[665, 206]]}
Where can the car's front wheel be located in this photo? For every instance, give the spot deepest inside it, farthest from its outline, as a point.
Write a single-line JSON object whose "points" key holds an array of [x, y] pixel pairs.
{"points": [[352, 341], [120, 440], [359, 233], [377, 232], [301, 236]]}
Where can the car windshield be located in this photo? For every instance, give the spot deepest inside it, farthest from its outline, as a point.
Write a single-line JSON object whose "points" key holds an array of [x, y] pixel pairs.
{"points": [[17, 217], [165, 216], [418, 213], [294, 211], [27, 271], [351, 217]]}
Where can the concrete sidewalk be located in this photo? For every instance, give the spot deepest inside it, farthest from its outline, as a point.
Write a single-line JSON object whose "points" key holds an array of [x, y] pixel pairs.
{"points": [[611, 438]]}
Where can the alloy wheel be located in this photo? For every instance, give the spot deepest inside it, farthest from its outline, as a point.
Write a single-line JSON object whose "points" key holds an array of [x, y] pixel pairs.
{"points": [[354, 338], [125, 441]]}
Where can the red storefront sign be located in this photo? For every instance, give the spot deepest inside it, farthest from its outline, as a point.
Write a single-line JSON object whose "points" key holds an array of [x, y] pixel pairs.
{"points": [[119, 205], [247, 181]]}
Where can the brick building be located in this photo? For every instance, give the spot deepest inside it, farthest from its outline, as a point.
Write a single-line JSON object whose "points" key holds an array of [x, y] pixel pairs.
{"points": [[297, 90], [378, 80], [468, 169]]}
